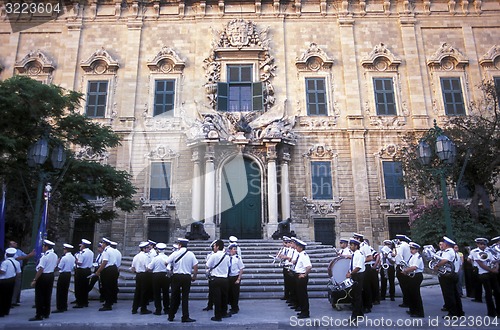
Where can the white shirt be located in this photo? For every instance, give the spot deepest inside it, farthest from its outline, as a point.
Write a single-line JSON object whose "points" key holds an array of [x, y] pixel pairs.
{"points": [[222, 268], [158, 264], [185, 264], [416, 260], [118, 256], [403, 252], [236, 264], [474, 255], [358, 260], [48, 262], [10, 268], [450, 255], [366, 250], [140, 262], [67, 263], [292, 253], [84, 258], [109, 255], [345, 251], [303, 261]]}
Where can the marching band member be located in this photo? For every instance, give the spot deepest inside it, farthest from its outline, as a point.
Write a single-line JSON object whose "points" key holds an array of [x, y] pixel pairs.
{"points": [[84, 260], [416, 267], [366, 250], [403, 254], [449, 280], [488, 271], [161, 282], [218, 263], [210, 302], [139, 267], [388, 271], [356, 273], [234, 240], [108, 274], [303, 267], [282, 253], [236, 267], [345, 251], [289, 264], [65, 265]]}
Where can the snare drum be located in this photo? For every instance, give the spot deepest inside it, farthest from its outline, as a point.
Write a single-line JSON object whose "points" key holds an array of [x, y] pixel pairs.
{"points": [[346, 284]]}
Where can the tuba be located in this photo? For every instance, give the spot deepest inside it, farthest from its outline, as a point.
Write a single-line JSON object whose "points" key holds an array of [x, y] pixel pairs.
{"points": [[402, 266], [430, 253]]}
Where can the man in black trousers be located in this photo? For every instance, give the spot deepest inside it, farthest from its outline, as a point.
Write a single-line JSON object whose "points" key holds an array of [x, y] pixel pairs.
{"points": [[65, 266], [218, 263]]}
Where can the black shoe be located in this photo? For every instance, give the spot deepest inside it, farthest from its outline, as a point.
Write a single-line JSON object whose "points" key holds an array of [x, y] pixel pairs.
{"points": [[15, 305], [78, 306], [298, 309], [105, 308], [283, 298], [403, 305], [73, 302], [376, 302], [408, 312], [134, 312], [188, 320], [392, 299], [46, 316], [218, 319], [417, 315], [146, 311], [234, 311], [477, 300], [367, 310], [382, 298], [303, 316], [157, 313], [170, 318], [226, 315], [444, 309], [36, 318], [58, 311], [207, 308]]}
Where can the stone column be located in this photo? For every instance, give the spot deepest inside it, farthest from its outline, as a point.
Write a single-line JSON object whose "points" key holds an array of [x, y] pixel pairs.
{"points": [[272, 190], [285, 186], [210, 190], [196, 200]]}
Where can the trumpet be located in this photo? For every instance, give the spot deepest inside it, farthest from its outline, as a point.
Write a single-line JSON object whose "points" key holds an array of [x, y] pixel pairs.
{"points": [[485, 258], [403, 265]]}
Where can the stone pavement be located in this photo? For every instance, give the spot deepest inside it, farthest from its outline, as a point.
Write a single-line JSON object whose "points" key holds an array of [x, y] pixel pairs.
{"points": [[254, 314]]}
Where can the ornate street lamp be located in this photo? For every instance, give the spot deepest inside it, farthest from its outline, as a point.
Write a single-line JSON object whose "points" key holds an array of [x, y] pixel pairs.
{"points": [[37, 156], [446, 151]]}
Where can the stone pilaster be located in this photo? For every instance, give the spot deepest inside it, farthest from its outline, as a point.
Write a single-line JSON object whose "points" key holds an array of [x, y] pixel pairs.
{"points": [[210, 190], [272, 190]]}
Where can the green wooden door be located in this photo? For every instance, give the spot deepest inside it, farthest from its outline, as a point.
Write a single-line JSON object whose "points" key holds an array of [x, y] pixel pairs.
{"points": [[241, 200]]}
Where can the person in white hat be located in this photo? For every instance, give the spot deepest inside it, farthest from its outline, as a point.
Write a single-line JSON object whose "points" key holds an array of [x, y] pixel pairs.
{"points": [[108, 274], [84, 260], [236, 267], [356, 273], [118, 256], [449, 282], [66, 265], [161, 282], [21, 257], [218, 264], [234, 240], [415, 267], [210, 302], [388, 272], [9, 269], [185, 271], [139, 267], [303, 267], [403, 253], [44, 281]]}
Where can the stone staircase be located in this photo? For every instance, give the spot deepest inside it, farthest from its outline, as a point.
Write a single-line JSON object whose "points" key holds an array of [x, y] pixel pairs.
{"points": [[261, 279]]}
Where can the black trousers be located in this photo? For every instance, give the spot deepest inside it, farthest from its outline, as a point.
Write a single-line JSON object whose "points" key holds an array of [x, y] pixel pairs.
{"points": [[140, 294], [109, 276], [490, 284], [82, 286], [7, 289], [414, 297], [356, 294], [181, 283], [161, 294], [367, 287], [451, 295], [286, 284], [43, 294], [403, 284], [210, 303], [62, 291], [391, 275], [302, 295], [219, 294], [233, 293], [292, 287], [477, 288]]}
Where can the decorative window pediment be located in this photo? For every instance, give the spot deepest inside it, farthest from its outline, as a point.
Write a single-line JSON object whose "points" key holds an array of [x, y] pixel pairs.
{"points": [[100, 62], [162, 152], [313, 59], [447, 58], [167, 61], [491, 60], [36, 65], [381, 59]]}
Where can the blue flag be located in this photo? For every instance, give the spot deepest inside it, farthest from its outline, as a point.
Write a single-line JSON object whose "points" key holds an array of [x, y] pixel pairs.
{"points": [[41, 233], [2, 217]]}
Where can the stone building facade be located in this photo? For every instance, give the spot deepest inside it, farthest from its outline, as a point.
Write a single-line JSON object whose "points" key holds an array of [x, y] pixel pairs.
{"points": [[246, 113]]}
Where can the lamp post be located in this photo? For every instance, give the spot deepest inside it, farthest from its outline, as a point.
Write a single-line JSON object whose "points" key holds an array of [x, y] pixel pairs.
{"points": [[438, 157], [37, 155]]}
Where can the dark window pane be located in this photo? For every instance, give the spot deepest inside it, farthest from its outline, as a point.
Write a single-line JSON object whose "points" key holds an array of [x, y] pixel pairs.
{"points": [[393, 175], [316, 96], [321, 179]]}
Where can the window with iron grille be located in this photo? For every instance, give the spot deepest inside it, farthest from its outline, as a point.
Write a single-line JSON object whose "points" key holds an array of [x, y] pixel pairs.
{"points": [[97, 94]]}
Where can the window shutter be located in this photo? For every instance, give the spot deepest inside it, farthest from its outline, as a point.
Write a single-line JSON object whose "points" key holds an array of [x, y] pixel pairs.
{"points": [[222, 96], [257, 96]]}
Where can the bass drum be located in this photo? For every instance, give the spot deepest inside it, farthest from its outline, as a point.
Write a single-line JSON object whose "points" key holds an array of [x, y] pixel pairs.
{"points": [[339, 286], [338, 268]]}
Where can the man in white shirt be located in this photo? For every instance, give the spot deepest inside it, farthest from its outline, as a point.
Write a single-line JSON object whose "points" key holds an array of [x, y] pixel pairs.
{"points": [[139, 267], [185, 267], [108, 274], [366, 250], [303, 267], [403, 254], [161, 282], [415, 267], [66, 265], [236, 267], [210, 302], [44, 281], [344, 249], [282, 254], [388, 272], [218, 263], [9, 269], [118, 255], [356, 273], [84, 261]]}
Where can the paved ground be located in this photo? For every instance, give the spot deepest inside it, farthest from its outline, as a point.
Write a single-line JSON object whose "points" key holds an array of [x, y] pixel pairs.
{"points": [[254, 314]]}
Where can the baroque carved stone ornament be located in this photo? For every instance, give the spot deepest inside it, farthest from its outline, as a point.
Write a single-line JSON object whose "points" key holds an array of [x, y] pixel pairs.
{"points": [[35, 63], [100, 62], [166, 61], [313, 59], [447, 58], [491, 60], [381, 59]]}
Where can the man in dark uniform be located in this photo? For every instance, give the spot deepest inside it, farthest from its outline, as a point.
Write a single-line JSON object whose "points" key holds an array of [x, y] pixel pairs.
{"points": [[44, 281], [65, 266]]}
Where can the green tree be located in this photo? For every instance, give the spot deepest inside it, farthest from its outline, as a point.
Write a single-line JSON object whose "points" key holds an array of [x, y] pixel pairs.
{"points": [[31, 110]]}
